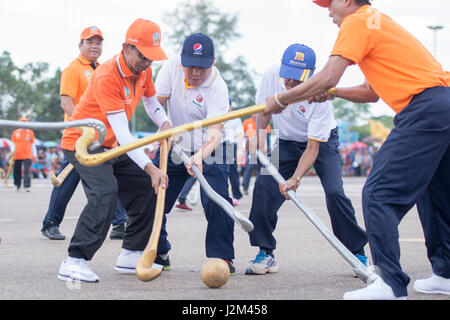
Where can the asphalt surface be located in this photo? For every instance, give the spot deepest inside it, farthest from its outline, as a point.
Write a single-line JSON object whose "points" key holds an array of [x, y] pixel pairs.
{"points": [[310, 269]]}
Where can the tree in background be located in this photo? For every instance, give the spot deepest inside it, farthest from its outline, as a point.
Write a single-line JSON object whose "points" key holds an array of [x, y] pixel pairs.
{"points": [[203, 16], [26, 91]]}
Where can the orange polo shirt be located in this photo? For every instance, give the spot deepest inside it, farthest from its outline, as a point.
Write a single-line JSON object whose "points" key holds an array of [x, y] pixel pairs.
{"points": [[110, 90], [250, 127], [395, 63], [75, 79], [23, 139]]}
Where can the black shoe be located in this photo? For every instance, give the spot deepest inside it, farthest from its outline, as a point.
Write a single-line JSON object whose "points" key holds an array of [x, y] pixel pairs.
{"points": [[231, 266], [117, 232], [52, 232], [164, 261]]}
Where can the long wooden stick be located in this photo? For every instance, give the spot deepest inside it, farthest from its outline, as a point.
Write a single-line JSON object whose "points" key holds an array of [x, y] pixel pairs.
{"points": [[91, 160], [144, 270]]}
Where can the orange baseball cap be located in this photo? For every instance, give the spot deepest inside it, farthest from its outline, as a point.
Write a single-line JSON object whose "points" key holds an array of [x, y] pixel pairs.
{"points": [[90, 32], [145, 35], [23, 118], [323, 3]]}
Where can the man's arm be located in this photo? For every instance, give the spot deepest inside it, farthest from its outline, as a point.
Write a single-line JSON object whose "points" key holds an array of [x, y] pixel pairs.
{"points": [[213, 139], [321, 82], [67, 105], [359, 94], [304, 165], [119, 124]]}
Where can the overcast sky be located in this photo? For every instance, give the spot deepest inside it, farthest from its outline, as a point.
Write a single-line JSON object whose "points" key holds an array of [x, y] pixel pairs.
{"points": [[49, 30]]}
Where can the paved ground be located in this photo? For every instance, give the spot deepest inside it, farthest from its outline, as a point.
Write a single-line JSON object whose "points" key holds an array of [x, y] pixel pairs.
{"points": [[310, 269]]}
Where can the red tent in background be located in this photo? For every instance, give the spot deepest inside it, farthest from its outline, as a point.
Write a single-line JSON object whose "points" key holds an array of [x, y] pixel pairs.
{"points": [[359, 145], [5, 143]]}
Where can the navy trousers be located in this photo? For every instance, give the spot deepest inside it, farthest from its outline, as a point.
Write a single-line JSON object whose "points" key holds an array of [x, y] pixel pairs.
{"points": [[61, 196], [267, 198], [233, 172], [220, 230], [412, 167]]}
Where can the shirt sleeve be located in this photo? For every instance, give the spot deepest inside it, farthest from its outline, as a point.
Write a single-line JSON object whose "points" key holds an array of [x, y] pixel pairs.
{"points": [[320, 121], [264, 89], [218, 104], [150, 90], [354, 40], [163, 83], [108, 95], [69, 83]]}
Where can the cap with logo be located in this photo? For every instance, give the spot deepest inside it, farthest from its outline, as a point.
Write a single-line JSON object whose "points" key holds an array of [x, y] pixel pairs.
{"points": [[145, 35], [298, 62], [198, 51], [90, 32]]}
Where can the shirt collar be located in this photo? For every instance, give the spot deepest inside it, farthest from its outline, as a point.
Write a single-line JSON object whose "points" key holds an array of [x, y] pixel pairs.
{"points": [[83, 60], [122, 67]]}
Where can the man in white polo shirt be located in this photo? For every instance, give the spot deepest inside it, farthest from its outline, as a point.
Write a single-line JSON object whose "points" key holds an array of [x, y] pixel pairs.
{"points": [[194, 90], [308, 136]]}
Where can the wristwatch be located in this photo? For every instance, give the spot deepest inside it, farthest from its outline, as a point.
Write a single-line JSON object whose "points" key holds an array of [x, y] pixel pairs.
{"points": [[297, 180]]}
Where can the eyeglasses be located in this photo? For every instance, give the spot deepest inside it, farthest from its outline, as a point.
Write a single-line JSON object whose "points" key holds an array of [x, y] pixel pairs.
{"points": [[140, 54]]}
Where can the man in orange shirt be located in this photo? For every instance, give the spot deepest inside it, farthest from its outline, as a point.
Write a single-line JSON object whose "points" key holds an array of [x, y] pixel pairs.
{"points": [[115, 90], [24, 152], [74, 81], [413, 165]]}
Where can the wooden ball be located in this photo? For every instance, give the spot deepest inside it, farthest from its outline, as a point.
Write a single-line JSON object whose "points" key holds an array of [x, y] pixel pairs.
{"points": [[215, 272]]}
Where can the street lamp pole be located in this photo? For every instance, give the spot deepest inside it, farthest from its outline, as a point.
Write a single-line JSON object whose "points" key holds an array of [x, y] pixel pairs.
{"points": [[435, 29]]}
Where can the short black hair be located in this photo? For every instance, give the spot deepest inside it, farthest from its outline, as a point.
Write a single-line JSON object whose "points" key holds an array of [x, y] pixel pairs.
{"points": [[363, 2]]}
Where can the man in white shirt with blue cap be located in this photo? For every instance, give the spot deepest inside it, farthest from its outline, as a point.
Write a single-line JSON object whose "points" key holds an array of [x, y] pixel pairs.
{"points": [[193, 89], [308, 135]]}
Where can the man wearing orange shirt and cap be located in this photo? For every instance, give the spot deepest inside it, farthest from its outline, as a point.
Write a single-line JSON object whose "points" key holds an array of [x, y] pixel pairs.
{"points": [[115, 90], [24, 151], [413, 165], [74, 81]]}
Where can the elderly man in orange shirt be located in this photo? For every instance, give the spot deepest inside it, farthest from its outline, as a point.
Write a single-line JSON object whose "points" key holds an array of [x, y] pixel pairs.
{"points": [[74, 81], [115, 90], [24, 151], [413, 165]]}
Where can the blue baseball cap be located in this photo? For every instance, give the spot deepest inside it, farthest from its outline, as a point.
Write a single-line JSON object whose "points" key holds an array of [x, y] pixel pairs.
{"points": [[198, 51], [298, 62]]}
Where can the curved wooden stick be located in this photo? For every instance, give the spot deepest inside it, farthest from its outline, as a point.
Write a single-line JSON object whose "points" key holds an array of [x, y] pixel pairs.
{"points": [[144, 270], [11, 165], [87, 138], [58, 180]]}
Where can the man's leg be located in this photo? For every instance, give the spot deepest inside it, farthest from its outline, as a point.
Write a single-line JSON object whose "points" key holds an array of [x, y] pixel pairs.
{"points": [[402, 171], [26, 173], [342, 214], [60, 197], [100, 187]]}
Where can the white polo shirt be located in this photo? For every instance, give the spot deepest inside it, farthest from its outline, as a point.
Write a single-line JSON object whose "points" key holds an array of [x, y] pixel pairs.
{"points": [[300, 121], [233, 128], [188, 104]]}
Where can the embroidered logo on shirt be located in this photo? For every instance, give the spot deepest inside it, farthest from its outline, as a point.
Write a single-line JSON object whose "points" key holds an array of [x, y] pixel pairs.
{"points": [[301, 111], [127, 92], [198, 101]]}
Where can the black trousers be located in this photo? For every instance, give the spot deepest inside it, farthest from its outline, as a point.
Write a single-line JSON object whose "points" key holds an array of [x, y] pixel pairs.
{"points": [[17, 173], [102, 184]]}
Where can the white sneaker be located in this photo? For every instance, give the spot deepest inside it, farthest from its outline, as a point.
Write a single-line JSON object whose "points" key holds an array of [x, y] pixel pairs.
{"points": [[74, 269], [127, 261], [378, 290], [433, 284]]}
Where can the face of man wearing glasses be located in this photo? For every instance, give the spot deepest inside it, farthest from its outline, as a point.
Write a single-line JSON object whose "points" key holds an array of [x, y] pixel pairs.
{"points": [[134, 59]]}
